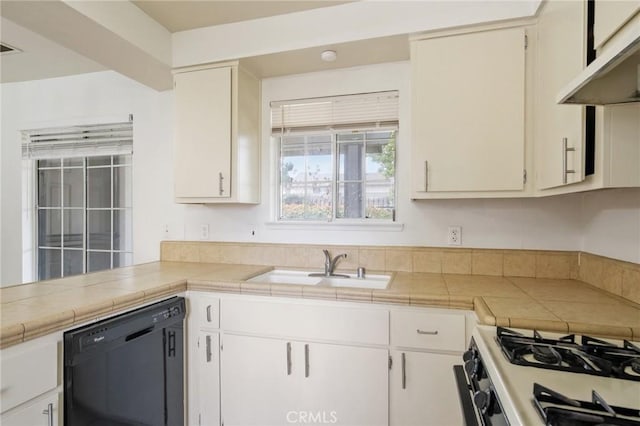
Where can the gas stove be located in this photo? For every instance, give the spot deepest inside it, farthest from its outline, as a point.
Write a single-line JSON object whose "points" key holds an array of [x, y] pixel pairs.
{"points": [[589, 380]]}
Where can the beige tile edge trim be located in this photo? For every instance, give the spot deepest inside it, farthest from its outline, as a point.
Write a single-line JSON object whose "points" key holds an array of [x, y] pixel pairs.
{"points": [[11, 335], [483, 312]]}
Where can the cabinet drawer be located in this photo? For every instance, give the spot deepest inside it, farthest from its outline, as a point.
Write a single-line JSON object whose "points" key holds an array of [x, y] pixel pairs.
{"points": [[205, 311], [426, 330], [306, 321], [27, 372]]}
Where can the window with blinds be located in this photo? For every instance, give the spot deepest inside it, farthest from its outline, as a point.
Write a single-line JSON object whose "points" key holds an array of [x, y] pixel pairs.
{"points": [[83, 197], [336, 157]]}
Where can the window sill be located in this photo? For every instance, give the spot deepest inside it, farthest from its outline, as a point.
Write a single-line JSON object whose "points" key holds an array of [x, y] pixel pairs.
{"points": [[337, 226]]}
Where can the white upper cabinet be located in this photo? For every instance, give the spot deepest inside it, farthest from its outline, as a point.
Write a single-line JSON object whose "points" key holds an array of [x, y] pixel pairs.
{"points": [[559, 129], [468, 114], [216, 144], [559, 136], [610, 16]]}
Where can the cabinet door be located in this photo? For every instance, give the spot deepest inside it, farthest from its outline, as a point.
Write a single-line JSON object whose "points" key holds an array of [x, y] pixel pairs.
{"points": [[423, 390], [260, 381], [202, 139], [559, 129], [610, 16], [345, 385], [204, 400], [468, 112], [43, 411]]}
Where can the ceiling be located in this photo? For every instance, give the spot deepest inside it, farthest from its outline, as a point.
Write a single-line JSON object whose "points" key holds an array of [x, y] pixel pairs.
{"points": [[356, 53], [181, 15], [38, 57], [41, 58]]}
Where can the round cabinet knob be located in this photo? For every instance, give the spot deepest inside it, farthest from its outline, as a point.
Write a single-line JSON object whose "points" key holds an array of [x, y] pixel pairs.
{"points": [[469, 355], [482, 399], [471, 367]]}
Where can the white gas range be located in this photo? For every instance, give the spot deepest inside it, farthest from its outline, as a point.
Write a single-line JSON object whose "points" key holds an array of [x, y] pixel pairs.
{"points": [[502, 366]]}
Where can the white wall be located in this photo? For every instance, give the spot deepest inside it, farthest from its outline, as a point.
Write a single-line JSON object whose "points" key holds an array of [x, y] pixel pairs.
{"points": [[611, 223], [596, 222], [82, 98]]}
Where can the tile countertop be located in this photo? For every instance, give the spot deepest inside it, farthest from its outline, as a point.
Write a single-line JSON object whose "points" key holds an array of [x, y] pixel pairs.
{"points": [[36, 309]]}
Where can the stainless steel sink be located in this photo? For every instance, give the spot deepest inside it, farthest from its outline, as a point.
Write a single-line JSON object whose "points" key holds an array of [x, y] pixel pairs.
{"points": [[284, 276]]}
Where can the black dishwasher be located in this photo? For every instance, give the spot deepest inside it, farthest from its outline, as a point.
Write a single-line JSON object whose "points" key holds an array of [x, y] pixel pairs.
{"points": [[128, 369]]}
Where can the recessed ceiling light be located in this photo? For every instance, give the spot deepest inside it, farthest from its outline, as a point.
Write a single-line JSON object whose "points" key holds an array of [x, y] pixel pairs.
{"points": [[329, 55]]}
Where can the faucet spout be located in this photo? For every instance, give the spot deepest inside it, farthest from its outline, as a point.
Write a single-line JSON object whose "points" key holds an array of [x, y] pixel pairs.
{"points": [[335, 260]]}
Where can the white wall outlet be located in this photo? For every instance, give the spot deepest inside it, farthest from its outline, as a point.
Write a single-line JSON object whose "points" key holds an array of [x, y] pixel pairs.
{"points": [[204, 231], [454, 236]]}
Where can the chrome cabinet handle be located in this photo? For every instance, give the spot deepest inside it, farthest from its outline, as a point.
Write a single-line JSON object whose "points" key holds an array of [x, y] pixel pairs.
{"points": [[565, 150], [220, 179], [288, 358], [404, 371], [208, 348], [306, 360], [49, 413], [209, 313], [430, 333]]}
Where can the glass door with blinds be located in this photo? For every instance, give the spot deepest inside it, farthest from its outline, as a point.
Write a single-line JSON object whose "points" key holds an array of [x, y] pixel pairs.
{"points": [[83, 198]]}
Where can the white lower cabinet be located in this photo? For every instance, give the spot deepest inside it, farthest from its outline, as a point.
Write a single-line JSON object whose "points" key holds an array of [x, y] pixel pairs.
{"points": [[30, 393], [41, 412], [256, 388], [344, 385], [278, 361], [422, 389], [275, 382], [425, 347], [205, 392]]}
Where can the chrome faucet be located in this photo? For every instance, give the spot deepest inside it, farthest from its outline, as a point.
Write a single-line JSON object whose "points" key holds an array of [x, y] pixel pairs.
{"points": [[330, 265]]}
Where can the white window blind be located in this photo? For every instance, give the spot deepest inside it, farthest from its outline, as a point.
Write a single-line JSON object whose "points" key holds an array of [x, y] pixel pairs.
{"points": [[361, 111], [78, 141]]}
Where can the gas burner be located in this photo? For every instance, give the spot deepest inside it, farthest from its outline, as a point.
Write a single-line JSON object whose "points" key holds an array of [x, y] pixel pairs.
{"points": [[590, 356], [546, 354], [557, 409]]}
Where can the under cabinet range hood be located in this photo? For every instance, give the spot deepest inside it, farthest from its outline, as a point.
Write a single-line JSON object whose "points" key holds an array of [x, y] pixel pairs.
{"points": [[612, 78]]}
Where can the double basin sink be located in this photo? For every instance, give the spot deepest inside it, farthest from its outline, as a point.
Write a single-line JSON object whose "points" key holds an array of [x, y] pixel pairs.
{"points": [[284, 276]]}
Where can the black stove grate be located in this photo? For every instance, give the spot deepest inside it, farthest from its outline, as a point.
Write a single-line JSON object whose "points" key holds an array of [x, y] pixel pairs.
{"points": [[591, 356], [559, 410]]}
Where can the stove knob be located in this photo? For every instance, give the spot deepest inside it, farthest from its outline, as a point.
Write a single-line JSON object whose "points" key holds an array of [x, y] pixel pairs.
{"points": [[482, 399], [469, 355], [471, 367]]}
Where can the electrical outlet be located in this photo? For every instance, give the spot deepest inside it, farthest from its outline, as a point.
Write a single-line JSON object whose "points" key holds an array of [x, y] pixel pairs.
{"points": [[454, 236], [204, 231]]}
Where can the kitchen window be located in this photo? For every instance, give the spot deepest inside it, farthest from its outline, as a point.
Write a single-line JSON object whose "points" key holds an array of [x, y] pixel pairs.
{"points": [[83, 198], [336, 157]]}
